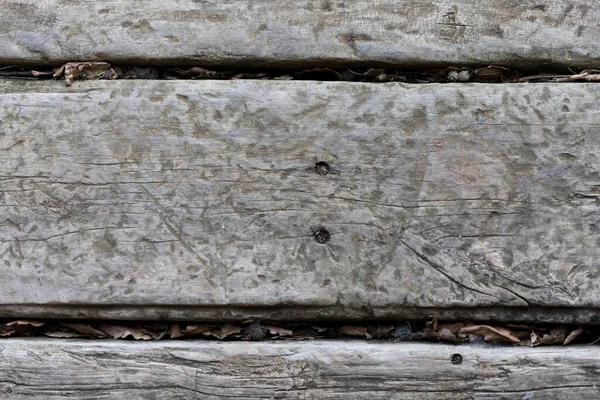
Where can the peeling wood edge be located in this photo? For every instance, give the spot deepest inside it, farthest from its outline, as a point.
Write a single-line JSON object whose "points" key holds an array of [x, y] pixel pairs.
{"points": [[123, 312]]}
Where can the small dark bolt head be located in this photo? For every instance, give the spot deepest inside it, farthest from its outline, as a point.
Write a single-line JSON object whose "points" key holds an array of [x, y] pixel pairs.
{"points": [[322, 236], [322, 168], [456, 359]]}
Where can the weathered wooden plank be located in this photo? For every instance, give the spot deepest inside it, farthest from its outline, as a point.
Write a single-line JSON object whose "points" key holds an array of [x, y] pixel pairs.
{"points": [[186, 198], [301, 32], [53, 369]]}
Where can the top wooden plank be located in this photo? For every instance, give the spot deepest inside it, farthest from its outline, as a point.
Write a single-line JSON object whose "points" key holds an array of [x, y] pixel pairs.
{"points": [[301, 32]]}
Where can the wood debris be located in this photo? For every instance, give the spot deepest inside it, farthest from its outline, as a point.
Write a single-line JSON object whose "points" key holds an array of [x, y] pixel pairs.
{"points": [[84, 70], [430, 330]]}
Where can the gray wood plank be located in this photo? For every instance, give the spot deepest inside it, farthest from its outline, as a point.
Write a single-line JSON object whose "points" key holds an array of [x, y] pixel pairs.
{"points": [[62, 369], [199, 200], [302, 32]]}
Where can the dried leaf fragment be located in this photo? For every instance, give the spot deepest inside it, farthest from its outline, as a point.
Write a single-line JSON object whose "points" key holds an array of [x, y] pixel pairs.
{"points": [[84, 330], [122, 332], [444, 332], [556, 336], [85, 70], [274, 330], [380, 331], [176, 332], [495, 73], [573, 335], [196, 72], [36, 324], [63, 334], [432, 323], [229, 329], [352, 330], [491, 333]]}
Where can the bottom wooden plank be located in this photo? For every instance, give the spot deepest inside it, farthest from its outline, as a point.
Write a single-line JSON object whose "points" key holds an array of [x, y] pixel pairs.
{"points": [[52, 369]]}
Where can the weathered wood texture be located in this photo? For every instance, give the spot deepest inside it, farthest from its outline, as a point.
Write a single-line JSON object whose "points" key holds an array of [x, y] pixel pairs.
{"points": [[55, 369], [301, 32], [203, 195]]}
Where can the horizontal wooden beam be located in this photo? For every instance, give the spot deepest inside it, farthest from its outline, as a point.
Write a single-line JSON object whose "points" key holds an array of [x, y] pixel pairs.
{"points": [[38, 368], [409, 33], [201, 199]]}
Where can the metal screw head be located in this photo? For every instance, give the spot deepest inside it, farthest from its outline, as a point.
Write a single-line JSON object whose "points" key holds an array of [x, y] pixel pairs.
{"points": [[456, 359], [322, 236], [322, 168]]}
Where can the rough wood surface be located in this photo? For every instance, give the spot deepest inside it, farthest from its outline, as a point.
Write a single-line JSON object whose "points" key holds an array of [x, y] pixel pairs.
{"points": [[193, 197], [55, 369], [302, 32]]}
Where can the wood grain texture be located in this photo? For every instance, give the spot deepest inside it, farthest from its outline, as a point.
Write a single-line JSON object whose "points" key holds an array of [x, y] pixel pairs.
{"points": [[58, 369], [201, 198], [302, 32]]}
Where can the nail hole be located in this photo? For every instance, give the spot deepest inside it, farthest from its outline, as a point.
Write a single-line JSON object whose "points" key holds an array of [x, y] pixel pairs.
{"points": [[456, 359], [322, 168], [322, 236]]}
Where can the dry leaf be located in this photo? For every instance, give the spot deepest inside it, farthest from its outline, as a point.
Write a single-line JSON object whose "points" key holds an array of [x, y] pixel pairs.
{"points": [[273, 330], [380, 331], [556, 336], [176, 332], [122, 332], [156, 330], [445, 332], [352, 330], [63, 334], [492, 73], [38, 74], [196, 72], [228, 330], [85, 70], [36, 324], [491, 333], [573, 335], [86, 330], [372, 72], [509, 76], [432, 323]]}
